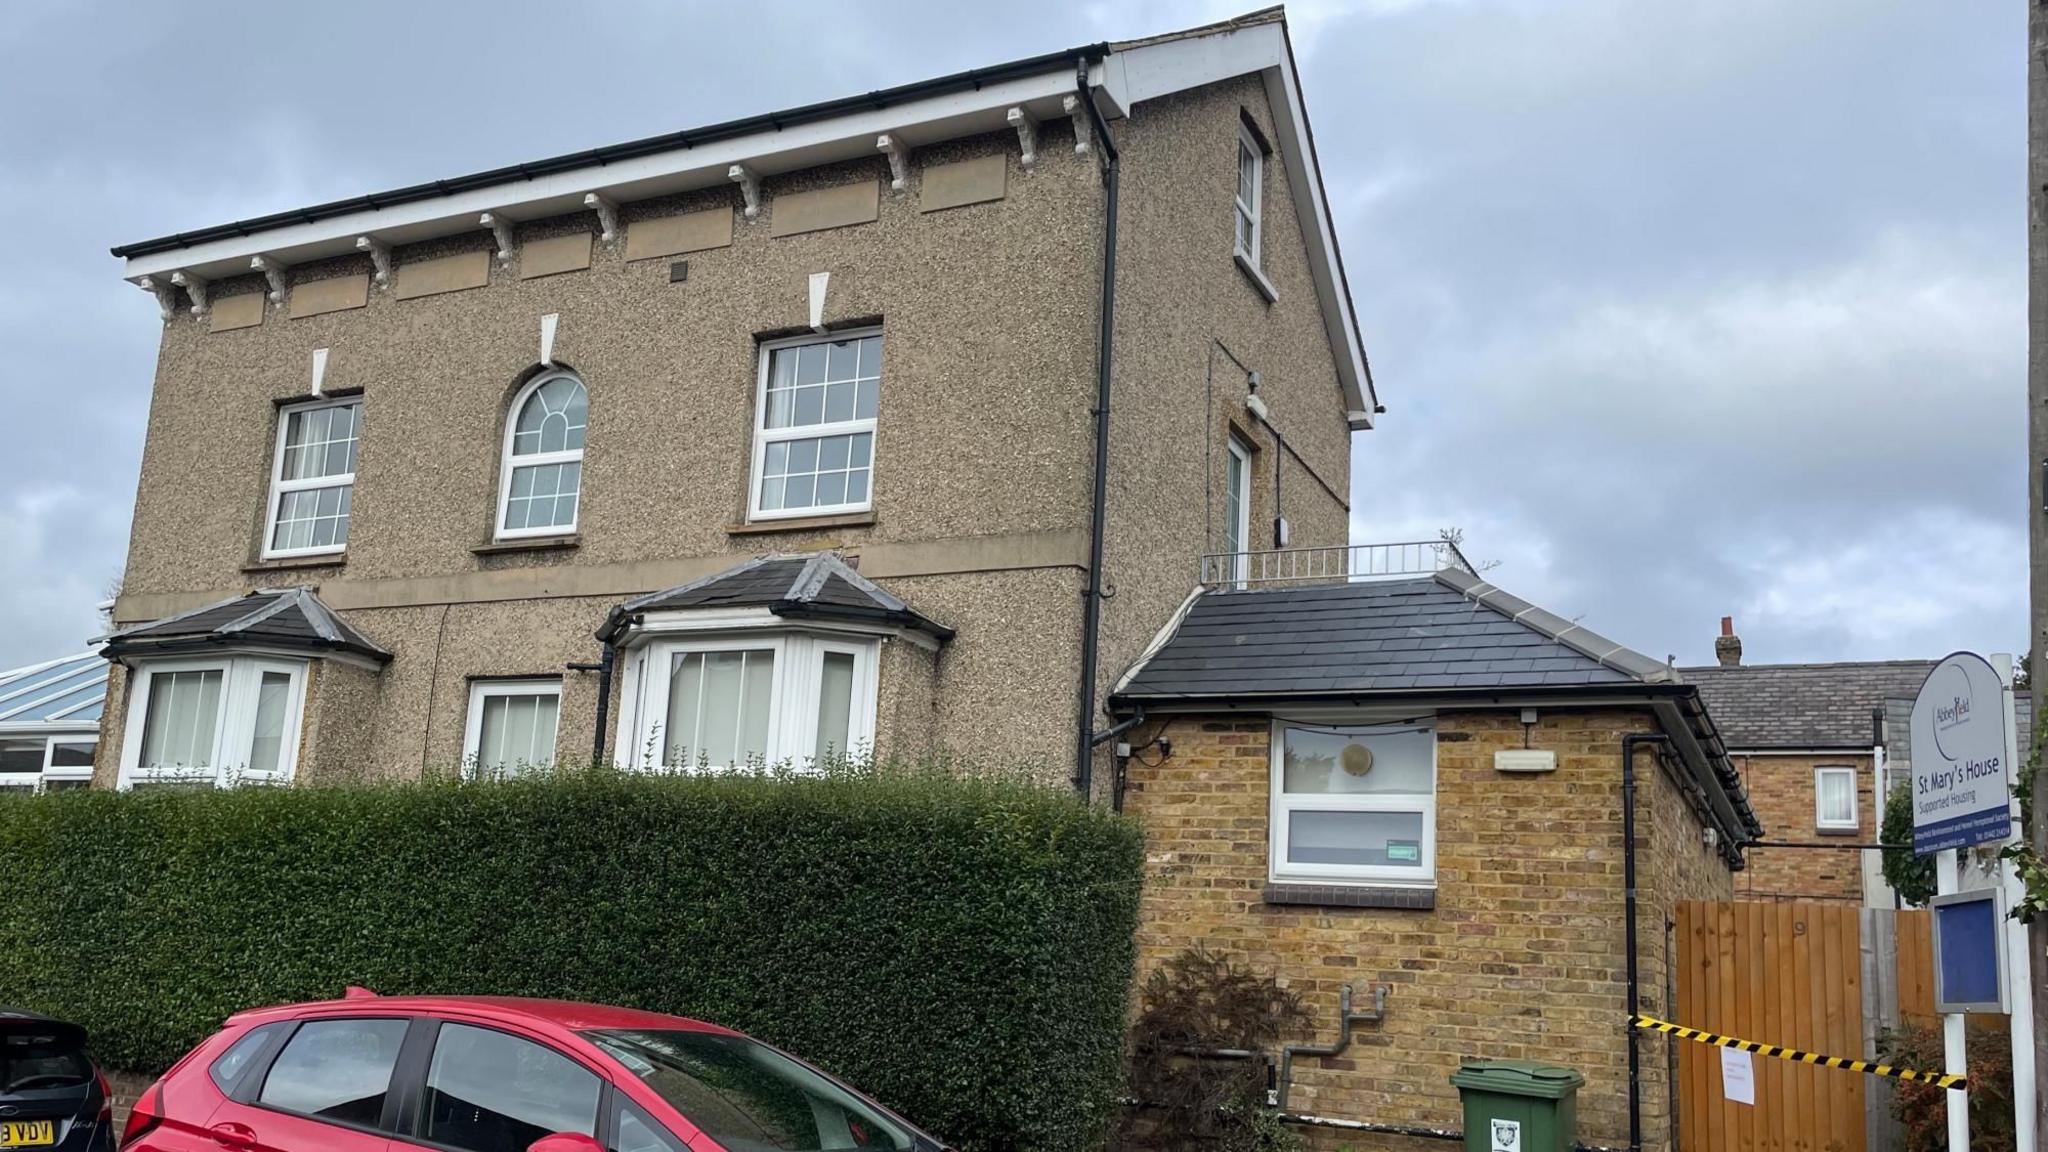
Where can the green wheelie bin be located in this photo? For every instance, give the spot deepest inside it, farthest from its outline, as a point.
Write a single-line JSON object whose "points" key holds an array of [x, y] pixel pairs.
{"points": [[1519, 1105]]}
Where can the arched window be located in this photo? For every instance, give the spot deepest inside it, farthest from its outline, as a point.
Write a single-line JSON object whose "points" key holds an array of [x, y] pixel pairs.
{"points": [[542, 476]]}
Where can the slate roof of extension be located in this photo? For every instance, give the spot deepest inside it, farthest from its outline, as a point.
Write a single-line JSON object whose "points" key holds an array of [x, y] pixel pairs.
{"points": [[1823, 707], [66, 693], [1448, 631], [291, 618], [798, 586]]}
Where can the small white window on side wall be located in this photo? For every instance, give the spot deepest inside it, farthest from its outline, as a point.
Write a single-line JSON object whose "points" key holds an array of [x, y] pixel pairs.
{"points": [[1354, 804], [1834, 799], [512, 726], [1251, 171], [814, 426], [213, 723]]}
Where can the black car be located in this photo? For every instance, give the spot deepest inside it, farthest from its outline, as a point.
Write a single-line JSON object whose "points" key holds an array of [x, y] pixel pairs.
{"points": [[52, 1098]]}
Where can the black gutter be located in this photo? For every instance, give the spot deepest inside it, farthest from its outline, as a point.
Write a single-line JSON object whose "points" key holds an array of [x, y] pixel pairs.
{"points": [[804, 610], [1091, 609], [971, 80], [1628, 880]]}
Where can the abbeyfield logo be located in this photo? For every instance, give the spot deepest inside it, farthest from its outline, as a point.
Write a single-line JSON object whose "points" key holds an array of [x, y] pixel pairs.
{"points": [[1955, 685]]}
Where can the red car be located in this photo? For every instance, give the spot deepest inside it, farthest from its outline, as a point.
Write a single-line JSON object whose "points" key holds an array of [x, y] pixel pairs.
{"points": [[481, 1074]]}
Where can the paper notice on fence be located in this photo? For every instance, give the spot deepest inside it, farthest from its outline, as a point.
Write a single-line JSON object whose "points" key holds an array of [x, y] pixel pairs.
{"points": [[1738, 1076]]}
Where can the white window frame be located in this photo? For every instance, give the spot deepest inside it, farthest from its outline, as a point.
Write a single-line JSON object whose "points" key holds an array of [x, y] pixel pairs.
{"points": [[1281, 871], [764, 435], [41, 780], [234, 724], [69, 772], [1250, 146], [482, 690], [507, 463], [279, 485], [1820, 815], [1237, 534], [793, 708]]}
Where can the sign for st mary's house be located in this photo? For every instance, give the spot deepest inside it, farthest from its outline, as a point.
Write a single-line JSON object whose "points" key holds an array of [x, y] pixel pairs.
{"points": [[1961, 794]]}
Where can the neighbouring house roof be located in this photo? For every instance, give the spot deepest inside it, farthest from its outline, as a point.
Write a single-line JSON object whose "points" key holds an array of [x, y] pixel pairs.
{"points": [[1806, 706], [796, 586], [288, 618], [974, 102], [1442, 637], [66, 694]]}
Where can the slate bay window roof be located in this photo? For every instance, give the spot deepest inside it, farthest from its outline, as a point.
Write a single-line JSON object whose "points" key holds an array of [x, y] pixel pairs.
{"points": [[278, 618], [795, 586]]}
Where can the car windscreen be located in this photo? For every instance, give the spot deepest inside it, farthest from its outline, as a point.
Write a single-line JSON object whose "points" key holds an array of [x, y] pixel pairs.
{"points": [[749, 1097], [31, 1060]]}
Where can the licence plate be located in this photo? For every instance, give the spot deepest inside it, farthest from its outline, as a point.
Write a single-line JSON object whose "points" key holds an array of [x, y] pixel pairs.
{"points": [[27, 1133]]}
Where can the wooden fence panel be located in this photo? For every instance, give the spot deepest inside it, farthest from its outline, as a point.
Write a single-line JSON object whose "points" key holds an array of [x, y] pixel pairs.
{"points": [[1784, 974]]}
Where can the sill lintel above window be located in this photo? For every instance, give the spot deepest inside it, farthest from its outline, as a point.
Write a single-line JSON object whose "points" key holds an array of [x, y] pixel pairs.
{"points": [[528, 544], [293, 563], [801, 524], [330, 395]]}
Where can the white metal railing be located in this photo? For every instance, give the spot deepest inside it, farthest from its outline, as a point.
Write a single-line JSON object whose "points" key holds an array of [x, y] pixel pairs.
{"points": [[1335, 564]]}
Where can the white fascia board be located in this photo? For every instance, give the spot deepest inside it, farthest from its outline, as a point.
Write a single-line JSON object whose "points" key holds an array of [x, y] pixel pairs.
{"points": [[21, 728], [921, 122], [1154, 70]]}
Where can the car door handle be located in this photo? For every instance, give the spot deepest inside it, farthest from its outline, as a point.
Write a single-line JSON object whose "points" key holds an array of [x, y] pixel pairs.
{"points": [[233, 1135]]}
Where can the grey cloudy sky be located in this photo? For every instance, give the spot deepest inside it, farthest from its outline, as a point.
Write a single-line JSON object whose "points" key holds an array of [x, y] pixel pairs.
{"points": [[1679, 309]]}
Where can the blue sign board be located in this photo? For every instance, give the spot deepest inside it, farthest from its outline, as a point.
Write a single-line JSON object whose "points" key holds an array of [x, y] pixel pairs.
{"points": [[1969, 954], [1961, 792]]}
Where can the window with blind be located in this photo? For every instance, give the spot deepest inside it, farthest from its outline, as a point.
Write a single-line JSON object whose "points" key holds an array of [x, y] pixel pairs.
{"points": [[1354, 803], [313, 480], [213, 723], [1834, 799], [512, 726], [772, 700]]}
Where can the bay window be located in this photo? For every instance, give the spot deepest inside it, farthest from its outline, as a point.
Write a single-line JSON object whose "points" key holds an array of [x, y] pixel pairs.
{"points": [[213, 723], [1354, 804], [814, 426], [770, 699]]}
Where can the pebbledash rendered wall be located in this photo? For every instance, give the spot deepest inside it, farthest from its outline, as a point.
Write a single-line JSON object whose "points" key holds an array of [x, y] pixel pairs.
{"points": [[983, 450], [1522, 955]]}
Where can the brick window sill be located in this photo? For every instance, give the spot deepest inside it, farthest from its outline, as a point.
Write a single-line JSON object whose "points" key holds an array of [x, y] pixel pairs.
{"points": [[1351, 896]]}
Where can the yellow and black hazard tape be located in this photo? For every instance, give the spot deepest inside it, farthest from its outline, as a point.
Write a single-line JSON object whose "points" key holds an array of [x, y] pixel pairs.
{"points": [[1938, 1079]]}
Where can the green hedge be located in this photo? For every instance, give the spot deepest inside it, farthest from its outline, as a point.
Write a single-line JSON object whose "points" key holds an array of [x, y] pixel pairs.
{"points": [[961, 949]]}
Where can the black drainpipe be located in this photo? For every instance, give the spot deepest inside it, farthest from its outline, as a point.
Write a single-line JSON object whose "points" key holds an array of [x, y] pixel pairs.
{"points": [[603, 668], [1091, 610], [1628, 881]]}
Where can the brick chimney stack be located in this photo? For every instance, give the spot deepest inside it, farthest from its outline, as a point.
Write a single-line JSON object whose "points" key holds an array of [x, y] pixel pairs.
{"points": [[1728, 646]]}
